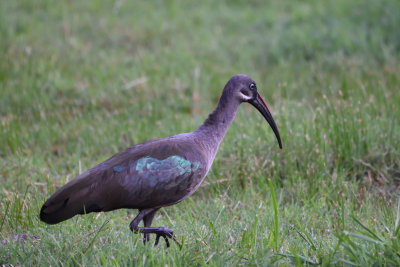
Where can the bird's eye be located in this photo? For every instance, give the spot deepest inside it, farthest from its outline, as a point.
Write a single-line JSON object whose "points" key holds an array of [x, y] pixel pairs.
{"points": [[253, 86]]}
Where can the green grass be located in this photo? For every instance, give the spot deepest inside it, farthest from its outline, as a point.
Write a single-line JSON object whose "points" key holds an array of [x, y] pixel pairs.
{"points": [[80, 80]]}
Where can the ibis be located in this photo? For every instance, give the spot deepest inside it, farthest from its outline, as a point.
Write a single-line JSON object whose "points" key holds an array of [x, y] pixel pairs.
{"points": [[156, 173]]}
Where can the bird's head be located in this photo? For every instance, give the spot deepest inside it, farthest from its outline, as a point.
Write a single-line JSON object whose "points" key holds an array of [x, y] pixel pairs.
{"points": [[244, 89]]}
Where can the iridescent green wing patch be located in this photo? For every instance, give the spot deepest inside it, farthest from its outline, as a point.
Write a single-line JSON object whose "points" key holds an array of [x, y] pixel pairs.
{"points": [[172, 166]]}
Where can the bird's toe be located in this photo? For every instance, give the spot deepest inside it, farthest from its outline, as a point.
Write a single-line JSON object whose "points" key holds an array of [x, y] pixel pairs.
{"points": [[133, 228]]}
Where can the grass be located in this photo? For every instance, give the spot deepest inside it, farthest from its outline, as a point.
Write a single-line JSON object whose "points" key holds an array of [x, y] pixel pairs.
{"points": [[80, 80]]}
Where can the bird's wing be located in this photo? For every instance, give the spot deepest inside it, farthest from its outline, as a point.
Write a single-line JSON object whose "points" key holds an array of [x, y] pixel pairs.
{"points": [[151, 174]]}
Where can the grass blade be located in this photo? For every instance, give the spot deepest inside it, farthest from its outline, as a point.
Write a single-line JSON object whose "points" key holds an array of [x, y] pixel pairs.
{"points": [[397, 225], [365, 228], [276, 219]]}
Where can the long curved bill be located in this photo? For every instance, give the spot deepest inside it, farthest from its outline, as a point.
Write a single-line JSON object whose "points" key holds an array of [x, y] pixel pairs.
{"points": [[259, 104]]}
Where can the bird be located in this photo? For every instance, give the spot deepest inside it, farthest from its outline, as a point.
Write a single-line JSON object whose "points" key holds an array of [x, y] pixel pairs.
{"points": [[155, 173]]}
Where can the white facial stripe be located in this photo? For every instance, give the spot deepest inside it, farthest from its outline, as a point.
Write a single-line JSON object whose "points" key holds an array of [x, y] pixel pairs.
{"points": [[244, 97]]}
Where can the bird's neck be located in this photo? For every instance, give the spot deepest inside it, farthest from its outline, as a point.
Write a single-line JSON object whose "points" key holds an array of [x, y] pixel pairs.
{"points": [[216, 125]]}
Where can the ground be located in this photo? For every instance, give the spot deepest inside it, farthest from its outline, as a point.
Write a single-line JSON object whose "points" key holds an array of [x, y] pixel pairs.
{"points": [[82, 80]]}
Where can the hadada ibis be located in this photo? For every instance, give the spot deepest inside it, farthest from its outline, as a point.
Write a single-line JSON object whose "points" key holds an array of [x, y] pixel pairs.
{"points": [[156, 173]]}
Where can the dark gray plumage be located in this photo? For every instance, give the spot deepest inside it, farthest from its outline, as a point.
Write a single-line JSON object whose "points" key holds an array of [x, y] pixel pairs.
{"points": [[155, 173]]}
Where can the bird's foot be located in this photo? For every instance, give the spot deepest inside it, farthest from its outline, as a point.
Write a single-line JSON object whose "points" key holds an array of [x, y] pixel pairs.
{"points": [[159, 232]]}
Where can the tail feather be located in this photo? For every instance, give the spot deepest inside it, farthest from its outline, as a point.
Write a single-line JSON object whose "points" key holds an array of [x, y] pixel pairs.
{"points": [[53, 213], [62, 213], [71, 199]]}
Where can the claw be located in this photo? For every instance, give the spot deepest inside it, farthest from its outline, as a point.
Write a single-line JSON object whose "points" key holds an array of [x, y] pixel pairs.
{"points": [[133, 227], [159, 232], [166, 241], [177, 242], [165, 236], [157, 239]]}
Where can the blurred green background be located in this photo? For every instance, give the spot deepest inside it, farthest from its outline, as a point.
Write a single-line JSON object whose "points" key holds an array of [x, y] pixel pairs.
{"points": [[81, 80]]}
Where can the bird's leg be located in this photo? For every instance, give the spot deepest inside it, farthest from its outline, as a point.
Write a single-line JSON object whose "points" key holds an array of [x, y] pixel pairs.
{"points": [[134, 225], [147, 230], [147, 220]]}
